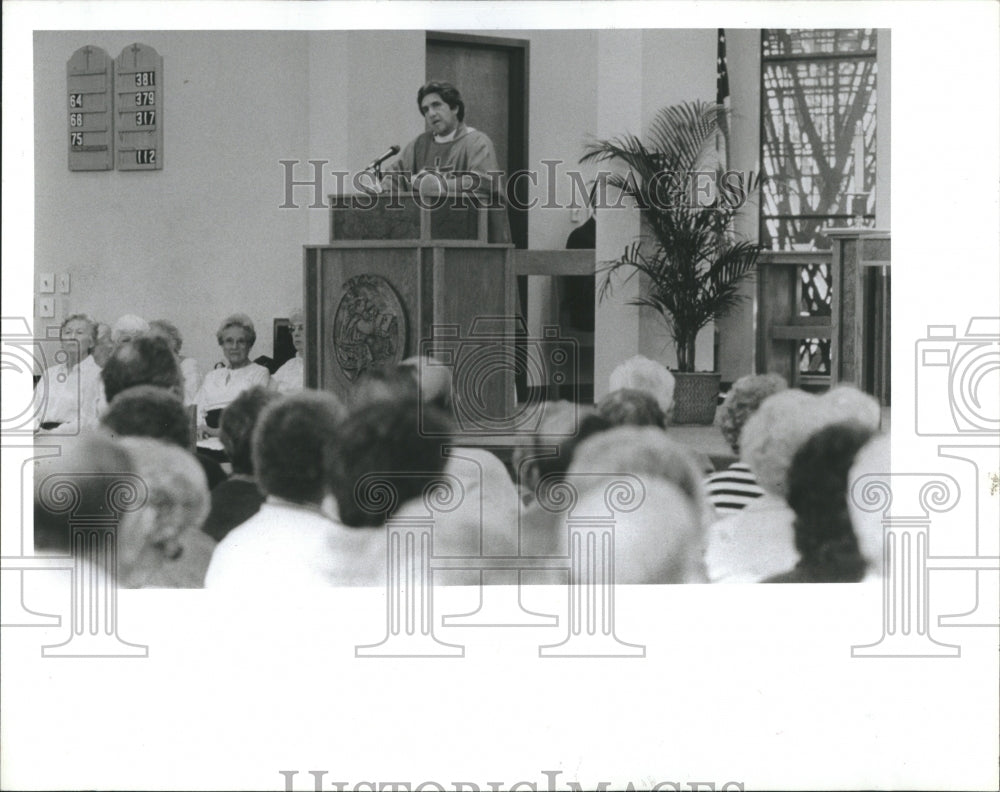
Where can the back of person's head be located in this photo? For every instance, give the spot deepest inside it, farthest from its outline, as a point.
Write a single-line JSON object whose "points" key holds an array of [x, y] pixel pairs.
{"points": [[873, 460], [237, 424], [845, 402], [641, 373], [661, 540], [630, 407], [433, 380], [743, 399], [103, 344], [146, 360], [88, 465], [817, 493], [563, 426], [149, 411], [448, 93], [384, 383], [772, 435], [392, 439], [169, 331], [177, 501], [128, 328], [293, 444], [645, 452]]}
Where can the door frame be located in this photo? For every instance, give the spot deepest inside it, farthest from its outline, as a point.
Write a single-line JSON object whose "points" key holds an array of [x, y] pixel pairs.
{"points": [[517, 116]]}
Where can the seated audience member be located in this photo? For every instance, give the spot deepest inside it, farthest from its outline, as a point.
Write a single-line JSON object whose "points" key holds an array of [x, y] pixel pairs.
{"points": [[848, 403], [290, 378], [65, 394], [662, 541], [434, 381], [146, 360], [128, 328], [163, 546], [486, 521], [151, 411], [759, 540], [641, 373], [295, 541], [542, 465], [92, 462], [104, 346], [387, 438], [644, 452], [188, 366], [629, 407], [236, 336], [873, 460], [731, 489], [383, 383], [548, 453], [817, 492], [238, 498]]}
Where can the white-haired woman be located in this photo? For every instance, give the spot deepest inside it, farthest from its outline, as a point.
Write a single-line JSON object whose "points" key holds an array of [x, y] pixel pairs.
{"points": [[290, 378], [64, 396], [236, 336]]}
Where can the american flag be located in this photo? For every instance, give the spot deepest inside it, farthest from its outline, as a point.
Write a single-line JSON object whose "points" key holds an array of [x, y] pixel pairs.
{"points": [[722, 97]]}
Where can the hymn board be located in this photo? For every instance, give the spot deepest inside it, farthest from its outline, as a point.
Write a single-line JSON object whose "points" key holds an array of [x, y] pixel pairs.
{"points": [[115, 109]]}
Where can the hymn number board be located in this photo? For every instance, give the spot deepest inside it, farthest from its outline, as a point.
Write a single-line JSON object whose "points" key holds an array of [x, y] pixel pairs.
{"points": [[89, 81], [139, 108]]}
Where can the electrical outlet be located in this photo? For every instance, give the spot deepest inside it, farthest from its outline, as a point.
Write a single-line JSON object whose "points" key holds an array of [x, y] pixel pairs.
{"points": [[46, 282], [62, 282], [46, 307]]}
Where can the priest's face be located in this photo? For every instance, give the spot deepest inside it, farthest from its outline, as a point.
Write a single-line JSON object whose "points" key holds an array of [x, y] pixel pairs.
{"points": [[441, 119]]}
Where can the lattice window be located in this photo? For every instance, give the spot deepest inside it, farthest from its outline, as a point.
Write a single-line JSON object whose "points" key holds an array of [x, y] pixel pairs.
{"points": [[818, 89], [818, 92]]}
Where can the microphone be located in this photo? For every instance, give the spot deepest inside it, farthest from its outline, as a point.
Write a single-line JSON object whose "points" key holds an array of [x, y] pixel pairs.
{"points": [[392, 152]]}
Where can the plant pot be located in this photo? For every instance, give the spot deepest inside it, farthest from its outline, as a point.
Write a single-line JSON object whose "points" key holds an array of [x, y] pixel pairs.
{"points": [[696, 395]]}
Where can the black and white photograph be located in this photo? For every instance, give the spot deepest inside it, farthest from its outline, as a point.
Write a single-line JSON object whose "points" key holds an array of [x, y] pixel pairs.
{"points": [[434, 395]]}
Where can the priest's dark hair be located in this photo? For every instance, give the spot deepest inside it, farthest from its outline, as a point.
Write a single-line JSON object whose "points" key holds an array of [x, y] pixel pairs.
{"points": [[448, 93]]}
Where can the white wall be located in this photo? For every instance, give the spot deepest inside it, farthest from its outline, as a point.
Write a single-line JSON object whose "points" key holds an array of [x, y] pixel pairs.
{"points": [[205, 236]]}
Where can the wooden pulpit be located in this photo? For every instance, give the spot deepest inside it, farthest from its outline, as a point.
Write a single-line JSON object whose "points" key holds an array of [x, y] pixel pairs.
{"points": [[401, 278]]}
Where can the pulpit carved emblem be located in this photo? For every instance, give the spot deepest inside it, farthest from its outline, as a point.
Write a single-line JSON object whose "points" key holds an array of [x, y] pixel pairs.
{"points": [[369, 328]]}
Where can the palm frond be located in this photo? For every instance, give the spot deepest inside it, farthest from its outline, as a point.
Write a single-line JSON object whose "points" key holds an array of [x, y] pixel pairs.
{"points": [[693, 263]]}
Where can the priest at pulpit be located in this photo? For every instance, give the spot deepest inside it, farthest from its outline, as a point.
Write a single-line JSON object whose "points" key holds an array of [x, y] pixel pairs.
{"points": [[449, 157]]}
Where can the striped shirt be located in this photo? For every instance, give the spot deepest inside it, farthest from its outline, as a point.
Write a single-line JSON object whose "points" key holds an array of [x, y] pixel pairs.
{"points": [[731, 489]]}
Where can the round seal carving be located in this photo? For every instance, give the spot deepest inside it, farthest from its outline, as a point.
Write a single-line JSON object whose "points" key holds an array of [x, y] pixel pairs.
{"points": [[369, 327]]}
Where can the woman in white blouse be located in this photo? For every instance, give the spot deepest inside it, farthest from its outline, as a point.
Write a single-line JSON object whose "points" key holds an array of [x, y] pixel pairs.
{"points": [[236, 336]]}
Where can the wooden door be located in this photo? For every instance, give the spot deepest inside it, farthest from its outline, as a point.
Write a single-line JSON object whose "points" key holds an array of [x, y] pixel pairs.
{"points": [[492, 76]]}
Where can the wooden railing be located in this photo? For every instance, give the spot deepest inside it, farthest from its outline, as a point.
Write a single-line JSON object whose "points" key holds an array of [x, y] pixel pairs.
{"points": [[856, 325], [782, 322]]}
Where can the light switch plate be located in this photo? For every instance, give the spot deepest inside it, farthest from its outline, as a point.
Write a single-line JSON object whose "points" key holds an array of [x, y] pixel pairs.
{"points": [[62, 282], [46, 307], [46, 282]]}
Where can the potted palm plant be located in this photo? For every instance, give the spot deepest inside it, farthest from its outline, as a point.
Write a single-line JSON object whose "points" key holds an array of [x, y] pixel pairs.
{"points": [[688, 256]]}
